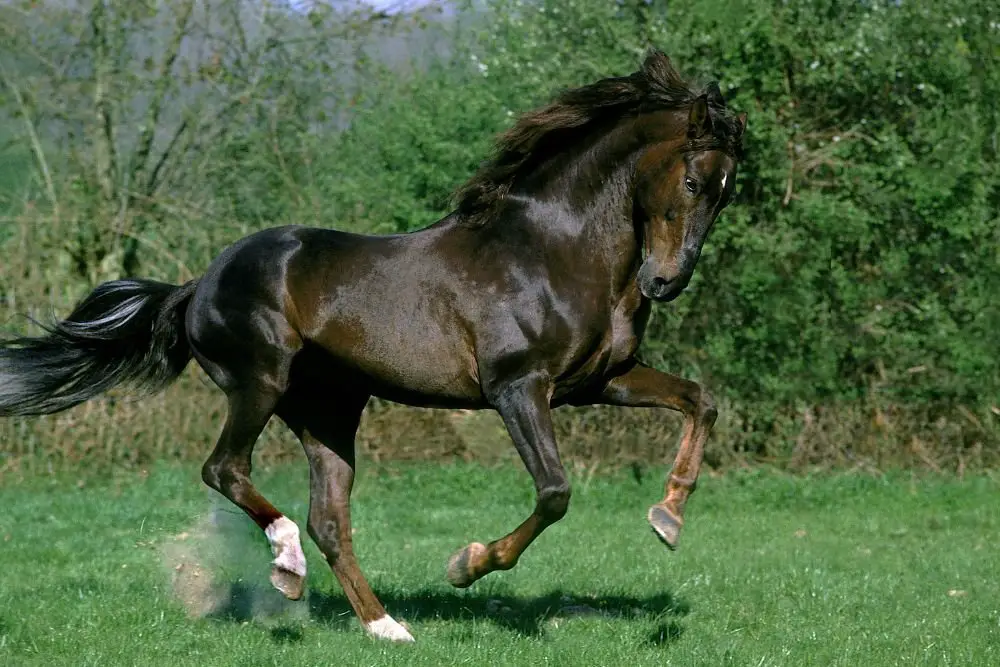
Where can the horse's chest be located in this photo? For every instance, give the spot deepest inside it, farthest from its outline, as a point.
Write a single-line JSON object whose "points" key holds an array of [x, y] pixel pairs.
{"points": [[619, 341], [628, 322]]}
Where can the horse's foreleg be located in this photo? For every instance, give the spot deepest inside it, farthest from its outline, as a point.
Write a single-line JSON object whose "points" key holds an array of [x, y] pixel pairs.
{"points": [[641, 386], [327, 435], [228, 472], [524, 407]]}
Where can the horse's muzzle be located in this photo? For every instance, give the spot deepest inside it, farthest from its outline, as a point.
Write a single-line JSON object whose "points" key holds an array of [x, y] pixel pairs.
{"points": [[660, 285], [663, 289]]}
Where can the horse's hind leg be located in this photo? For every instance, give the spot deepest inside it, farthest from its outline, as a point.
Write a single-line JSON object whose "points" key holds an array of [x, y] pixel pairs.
{"points": [[228, 472], [327, 434]]}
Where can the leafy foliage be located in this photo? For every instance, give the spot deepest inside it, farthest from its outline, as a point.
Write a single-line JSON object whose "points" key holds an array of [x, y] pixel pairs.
{"points": [[858, 267], [861, 258]]}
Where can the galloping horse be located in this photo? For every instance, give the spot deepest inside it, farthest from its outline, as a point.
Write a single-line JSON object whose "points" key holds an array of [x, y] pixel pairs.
{"points": [[533, 293]]}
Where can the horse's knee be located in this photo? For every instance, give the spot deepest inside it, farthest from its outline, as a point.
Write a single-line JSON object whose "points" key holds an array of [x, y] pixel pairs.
{"points": [[553, 502], [706, 407]]}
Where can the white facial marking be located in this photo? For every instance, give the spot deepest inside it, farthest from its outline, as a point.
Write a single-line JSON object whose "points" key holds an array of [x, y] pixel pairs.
{"points": [[724, 177], [283, 535], [387, 628]]}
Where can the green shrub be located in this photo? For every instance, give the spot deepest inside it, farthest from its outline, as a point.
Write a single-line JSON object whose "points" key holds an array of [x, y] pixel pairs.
{"points": [[848, 296]]}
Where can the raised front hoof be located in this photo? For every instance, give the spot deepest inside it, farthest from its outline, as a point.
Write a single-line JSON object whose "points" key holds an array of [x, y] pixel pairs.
{"points": [[387, 628], [461, 573], [666, 525], [290, 584]]}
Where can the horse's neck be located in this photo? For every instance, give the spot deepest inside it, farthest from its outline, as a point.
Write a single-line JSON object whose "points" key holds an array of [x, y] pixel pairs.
{"points": [[593, 190]]}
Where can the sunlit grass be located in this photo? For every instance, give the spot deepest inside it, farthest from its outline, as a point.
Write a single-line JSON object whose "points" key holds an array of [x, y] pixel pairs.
{"points": [[835, 570]]}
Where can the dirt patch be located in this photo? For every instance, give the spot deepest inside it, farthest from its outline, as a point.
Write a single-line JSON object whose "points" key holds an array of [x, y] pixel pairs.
{"points": [[190, 580], [218, 568]]}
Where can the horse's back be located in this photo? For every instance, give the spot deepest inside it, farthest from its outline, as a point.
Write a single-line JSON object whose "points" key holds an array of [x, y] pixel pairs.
{"points": [[389, 310]]}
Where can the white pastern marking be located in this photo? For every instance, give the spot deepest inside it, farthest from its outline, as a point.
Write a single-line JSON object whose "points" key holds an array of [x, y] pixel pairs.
{"points": [[283, 535], [724, 177], [387, 628]]}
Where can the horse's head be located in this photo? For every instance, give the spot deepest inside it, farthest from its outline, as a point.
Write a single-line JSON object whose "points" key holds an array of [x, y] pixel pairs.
{"points": [[682, 184]]}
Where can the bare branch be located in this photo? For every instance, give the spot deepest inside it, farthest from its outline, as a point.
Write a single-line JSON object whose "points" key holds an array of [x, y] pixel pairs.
{"points": [[147, 133], [241, 32], [199, 134], [104, 138], [11, 33], [36, 144], [153, 181]]}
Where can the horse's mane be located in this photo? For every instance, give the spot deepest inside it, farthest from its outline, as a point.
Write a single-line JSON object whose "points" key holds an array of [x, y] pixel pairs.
{"points": [[538, 134]]}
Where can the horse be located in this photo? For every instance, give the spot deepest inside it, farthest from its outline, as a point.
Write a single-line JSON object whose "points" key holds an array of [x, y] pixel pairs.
{"points": [[532, 293]]}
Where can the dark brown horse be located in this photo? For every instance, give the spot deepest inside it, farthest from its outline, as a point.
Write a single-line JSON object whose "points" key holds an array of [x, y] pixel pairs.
{"points": [[533, 293]]}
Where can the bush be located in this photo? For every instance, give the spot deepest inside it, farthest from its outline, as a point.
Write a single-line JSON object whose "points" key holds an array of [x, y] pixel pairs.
{"points": [[848, 295]]}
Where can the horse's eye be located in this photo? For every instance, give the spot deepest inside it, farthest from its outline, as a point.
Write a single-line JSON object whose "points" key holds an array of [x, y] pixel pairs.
{"points": [[690, 184]]}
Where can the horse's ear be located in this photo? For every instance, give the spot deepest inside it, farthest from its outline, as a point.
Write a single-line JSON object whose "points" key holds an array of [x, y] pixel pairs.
{"points": [[741, 124], [699, 119], [714, 95]]}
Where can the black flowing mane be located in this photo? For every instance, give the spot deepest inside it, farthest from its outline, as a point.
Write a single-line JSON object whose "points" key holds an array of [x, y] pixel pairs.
{"points": [[539, 134]]}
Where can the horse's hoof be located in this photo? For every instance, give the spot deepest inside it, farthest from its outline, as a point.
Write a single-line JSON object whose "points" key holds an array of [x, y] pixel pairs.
{"points": [[288, 569], [387, 628], [289, 583], [666, 525], [460, 572]]}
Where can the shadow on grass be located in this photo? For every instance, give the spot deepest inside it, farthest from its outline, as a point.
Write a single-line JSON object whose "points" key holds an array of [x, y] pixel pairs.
{"points": [[286, 634], [666, 634], [526, 616]]}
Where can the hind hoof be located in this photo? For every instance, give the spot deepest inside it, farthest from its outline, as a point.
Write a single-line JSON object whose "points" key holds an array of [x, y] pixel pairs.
{"points": [[666, 524], [387, 628], [288, 569], [289, 583], [461, 566]]}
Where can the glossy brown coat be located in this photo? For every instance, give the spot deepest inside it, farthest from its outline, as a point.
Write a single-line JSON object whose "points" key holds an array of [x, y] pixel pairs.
{"points": [[533, 293]]}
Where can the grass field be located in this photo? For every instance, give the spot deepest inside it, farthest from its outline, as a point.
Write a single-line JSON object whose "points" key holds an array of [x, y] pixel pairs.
{"points": [[772, 570]]}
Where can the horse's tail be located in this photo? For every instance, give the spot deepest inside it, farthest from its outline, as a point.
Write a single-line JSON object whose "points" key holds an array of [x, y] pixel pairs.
{"points": [[126, 332]]}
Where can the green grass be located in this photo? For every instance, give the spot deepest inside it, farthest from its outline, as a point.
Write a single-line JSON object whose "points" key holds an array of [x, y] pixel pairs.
{"points": [[772, 570]]}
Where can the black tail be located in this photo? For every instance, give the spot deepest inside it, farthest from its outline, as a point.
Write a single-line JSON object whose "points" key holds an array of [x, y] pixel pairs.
{"points": [[127, 332]]}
